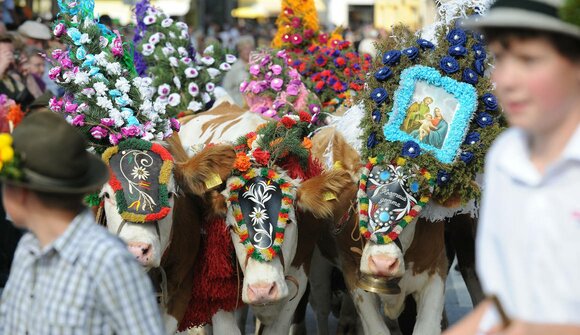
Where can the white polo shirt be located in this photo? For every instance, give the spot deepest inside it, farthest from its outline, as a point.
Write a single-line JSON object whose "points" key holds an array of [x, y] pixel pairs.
{"points": [[528, 242]]}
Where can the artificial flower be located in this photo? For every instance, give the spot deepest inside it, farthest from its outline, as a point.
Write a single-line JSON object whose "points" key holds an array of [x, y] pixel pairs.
{"points": [[490, 101], [456, 36], [449, 64], [379, 95], [391, 57], [411, 149]]}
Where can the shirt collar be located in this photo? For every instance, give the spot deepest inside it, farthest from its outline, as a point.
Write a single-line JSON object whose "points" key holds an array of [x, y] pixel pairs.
{"points": [[572, 150], [67, 244]]}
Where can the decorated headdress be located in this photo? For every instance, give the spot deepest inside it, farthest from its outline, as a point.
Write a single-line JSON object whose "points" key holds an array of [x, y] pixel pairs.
{"points": [[182, 82], [430, 117], [104, 97]]}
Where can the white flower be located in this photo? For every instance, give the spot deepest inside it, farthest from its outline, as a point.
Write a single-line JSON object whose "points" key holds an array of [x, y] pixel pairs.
{"points": [[85, 39], [173, 61], [149, 20], [174, 99], [209, 50], [167, 51], [100, 88], [154, 39], [148, 49], [225, 67], [230, 58], [177, 82], [209, 87], [101, 59], [81, 78], [182, 52], [87, 23], [151, 10], [205, 98], [140, 173], [117, 117], [184, 35], [159, 104], [191, 72], [258, 216], [195, 106], [193, 89], [186, 60], [172, 35], [146, 107], [123, 85], [166, 23], [114, 68], [213, 72], [207, 60], [182, 26], [164, 90], [104, 102], [147, 136]]}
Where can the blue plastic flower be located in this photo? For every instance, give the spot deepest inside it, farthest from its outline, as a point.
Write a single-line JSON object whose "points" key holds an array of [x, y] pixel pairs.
{"points": [[379, 95], [94, 70], [89, 60], [469, 76], [412, 53], [457, 50], [115, 93], [383, 73], [372, 140], [424, 44], [479, 51], [75, 35], [479, 67], [483, 119], [391, 57], [411, 149], [377, 116], [456, 36], [472, 138], [81, 53], [443, 177], [449, 64], [490, 101], [121, 101], [414, 187], [132, 121], [101, 77], [466, 157]]}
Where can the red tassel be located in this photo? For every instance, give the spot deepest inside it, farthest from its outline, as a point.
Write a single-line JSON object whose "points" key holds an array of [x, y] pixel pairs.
{"points": [[294, 170], [215, 285]]}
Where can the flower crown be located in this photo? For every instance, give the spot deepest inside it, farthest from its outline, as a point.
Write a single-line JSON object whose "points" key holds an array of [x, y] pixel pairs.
{"points": [[182, 81], [104, 97]]}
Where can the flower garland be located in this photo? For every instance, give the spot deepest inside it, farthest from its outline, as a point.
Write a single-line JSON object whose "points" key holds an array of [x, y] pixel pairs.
{"points": [[458, 61], [276, 89], [164, 175], [10, 114], [183, 82], [104, 98]]}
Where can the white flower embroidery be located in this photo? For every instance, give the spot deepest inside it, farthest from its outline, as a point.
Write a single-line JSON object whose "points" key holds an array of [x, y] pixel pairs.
{"points": [[258, 216], [140, 173]]}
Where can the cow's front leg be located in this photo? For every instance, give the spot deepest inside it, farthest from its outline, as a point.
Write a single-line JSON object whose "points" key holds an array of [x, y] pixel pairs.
{"points": [[225, 323], [367, 306], [430, 302], [320, 290]]}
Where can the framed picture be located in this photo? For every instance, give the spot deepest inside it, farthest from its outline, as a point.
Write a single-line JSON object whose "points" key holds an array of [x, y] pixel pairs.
{"points": [[432, 110]]}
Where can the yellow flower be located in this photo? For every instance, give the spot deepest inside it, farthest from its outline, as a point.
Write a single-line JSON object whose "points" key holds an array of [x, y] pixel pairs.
{"points": [[427, 175], [373, 160], [5, 140], [6, 154], [401, 161]]}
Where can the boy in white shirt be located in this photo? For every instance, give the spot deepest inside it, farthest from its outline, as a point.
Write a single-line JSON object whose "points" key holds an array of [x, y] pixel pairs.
{"points": [[528, 242]]}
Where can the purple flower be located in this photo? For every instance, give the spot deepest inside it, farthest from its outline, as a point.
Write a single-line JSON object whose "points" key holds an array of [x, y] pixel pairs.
{"points": [[449, 64], [294, 75], [163, 90], [99, 132], [175, 125], [379, 95], [55, 104], [278, 104], [255, 69], [314, 109], [115, 138], [59, 30], [276, 84], [243, 86], [190, 72], [412, 53], [456, 36], [490, 101], [193, 89], [292, 89], [276, 69], [443, 177], [265, 61], [209, 87], [57, 53], [54, 72], [469, 76], [281, 54], [383, 74], [69, 107], [466, 157], [79, 120], [391, 57], [472, 138], [107, 122], [66, 62], [257, 87], [483, 119], [130, 131], [411, 149]]}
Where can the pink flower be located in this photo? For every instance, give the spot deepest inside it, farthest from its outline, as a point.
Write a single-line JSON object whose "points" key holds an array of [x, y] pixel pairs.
{"points": [[89, 92], [255, 69], [281, 54], [276, 84], [308, 33], [79, 120], [292, 89], [59, 30], [296, 39], [294, 75], [69, 107], [55, 104], [117, 46], [130, 131], [107, 122], [296, 22], [99, 132], [269, 113], [285, 38], [243, 86], [66, 62], [54, 72], [114, 138], [175, 124], [276, 69], [323, 38], [57, 53]]}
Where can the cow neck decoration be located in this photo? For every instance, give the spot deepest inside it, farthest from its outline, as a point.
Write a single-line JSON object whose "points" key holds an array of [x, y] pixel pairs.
{"points": [[140, 171], [431, 105], [389, 198], [260, 193]]}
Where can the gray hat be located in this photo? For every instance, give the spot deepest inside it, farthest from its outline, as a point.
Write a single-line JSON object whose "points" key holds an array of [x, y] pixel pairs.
{"points": [[36, 30], [541, 15]]}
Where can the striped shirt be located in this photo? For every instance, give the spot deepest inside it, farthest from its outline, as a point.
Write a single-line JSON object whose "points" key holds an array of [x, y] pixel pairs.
{"points": [[85, 282]]}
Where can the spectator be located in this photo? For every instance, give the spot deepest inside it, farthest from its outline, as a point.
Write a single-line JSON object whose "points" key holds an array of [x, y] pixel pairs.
{"points": [[239, 71], [11, 82], [35, 34], [33, 70]]}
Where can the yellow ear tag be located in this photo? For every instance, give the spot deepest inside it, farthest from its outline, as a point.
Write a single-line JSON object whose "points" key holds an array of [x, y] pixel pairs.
{"points": [[327, 196], [212, 181], [338, 165]]}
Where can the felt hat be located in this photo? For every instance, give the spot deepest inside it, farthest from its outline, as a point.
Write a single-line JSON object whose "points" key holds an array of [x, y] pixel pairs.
{"points": [[36, 30], [53, 157]]}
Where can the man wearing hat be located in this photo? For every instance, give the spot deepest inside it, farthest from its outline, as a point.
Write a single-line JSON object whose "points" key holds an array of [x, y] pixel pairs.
{"points": [[69, 275], [529, 231], [35, 34]]}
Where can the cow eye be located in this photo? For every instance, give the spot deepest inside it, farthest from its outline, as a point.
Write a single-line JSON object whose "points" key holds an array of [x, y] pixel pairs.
{"points": [[170, 195], [106, 195]]}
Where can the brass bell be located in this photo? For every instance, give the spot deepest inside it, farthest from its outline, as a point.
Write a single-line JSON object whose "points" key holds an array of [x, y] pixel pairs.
{"points": [[380, 285]]}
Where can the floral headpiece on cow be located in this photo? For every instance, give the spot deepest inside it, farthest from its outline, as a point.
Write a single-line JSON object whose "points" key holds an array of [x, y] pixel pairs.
{"points": [[183, 82], [276, 89], [430, 118], [10, 114], [104, 97], [262, 190]]}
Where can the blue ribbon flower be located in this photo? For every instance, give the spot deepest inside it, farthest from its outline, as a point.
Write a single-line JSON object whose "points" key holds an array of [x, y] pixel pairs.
{"points": [[412, 53], [457, 50], [483, 119], [466, 157], [93, 71], [377, 116], [101, 77], [449, 64], [479, 51], [372, 140], [115, 93], [443, 177], [490, 101], [383, 74], [81, 53], [121, 101], [456, 36], [132, 121], [472, 138], [411, 149], [479, 67], [469, 76], [89, 60], [424, 44], [391, 57], [75, 35], [379, 95]]}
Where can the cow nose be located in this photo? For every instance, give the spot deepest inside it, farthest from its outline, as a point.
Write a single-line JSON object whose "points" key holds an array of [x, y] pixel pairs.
{"points": [[383, 265], [141, 251], [262, 293]]}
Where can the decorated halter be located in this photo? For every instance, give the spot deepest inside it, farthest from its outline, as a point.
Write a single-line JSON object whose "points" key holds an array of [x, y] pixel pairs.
{"points": [[260, 194], [429, 119], [140, 171]]}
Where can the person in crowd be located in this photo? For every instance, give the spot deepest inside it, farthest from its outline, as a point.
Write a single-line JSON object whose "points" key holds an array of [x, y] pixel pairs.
{"points": [[33, 70], [11, 82], [527, 240], [69, 275], [239, 71], [35, 34]]}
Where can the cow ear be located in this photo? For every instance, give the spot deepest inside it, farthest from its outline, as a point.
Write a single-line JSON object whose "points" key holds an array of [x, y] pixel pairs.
{"points": [[207, 169], [320, 195]]}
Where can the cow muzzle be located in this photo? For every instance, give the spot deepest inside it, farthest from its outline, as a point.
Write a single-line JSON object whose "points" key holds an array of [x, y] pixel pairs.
{"points": [[263, 293]]}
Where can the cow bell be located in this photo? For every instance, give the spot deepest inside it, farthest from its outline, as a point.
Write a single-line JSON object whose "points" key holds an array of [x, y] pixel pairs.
{"points": [[380, 285]]}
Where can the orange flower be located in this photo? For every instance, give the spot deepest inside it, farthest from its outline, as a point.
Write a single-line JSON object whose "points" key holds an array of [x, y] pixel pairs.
{"points": [[307, 143], [242, 162], [15, 114], [276, 142], [251, 137]]}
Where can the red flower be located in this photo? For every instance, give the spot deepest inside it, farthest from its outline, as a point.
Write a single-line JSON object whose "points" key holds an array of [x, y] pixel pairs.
{"points": [[296, 22], [348, 72], [340, 62], [308, 33], [338, 87], [304, 117], [316, 77], [288, 11], [288, 122], [261, 156], [323, 38], [286, 38], [296, 39], [356, 87], [319, 85], [302, 68], [326, 73]]}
